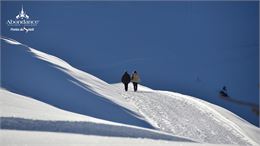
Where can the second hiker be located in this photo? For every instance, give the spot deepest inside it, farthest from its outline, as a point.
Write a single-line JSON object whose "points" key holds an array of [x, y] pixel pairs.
{"points": [[135, 79]]}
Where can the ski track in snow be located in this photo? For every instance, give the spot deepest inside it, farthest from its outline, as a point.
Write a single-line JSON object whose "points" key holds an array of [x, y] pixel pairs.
{"points": [[166, 112]]}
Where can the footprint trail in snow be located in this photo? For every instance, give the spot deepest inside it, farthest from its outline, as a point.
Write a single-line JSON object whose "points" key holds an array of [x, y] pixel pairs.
{"points": [[183, 117]]}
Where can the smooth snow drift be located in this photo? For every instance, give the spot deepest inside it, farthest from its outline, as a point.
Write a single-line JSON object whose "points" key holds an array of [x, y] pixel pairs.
{"points": [[27, 138], [170, 112]]}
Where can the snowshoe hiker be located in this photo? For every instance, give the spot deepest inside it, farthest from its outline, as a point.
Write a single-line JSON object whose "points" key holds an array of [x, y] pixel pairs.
{"points": [[126, 80], [135, 80]]}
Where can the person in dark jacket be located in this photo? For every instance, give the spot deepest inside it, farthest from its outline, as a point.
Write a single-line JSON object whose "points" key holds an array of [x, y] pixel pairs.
{"points": [[135, 79], [126, 80]]}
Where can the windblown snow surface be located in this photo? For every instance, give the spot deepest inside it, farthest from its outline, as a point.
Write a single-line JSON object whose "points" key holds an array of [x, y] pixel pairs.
{"points": [[55, 101]]}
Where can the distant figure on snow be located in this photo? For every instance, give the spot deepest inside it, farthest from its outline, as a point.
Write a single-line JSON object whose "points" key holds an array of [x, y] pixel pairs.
{"points": [[126, 80], [135, 79], [223, 92]]}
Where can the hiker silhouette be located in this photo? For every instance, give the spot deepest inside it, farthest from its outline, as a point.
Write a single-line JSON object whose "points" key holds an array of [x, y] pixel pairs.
{"points": [[126, 80]]}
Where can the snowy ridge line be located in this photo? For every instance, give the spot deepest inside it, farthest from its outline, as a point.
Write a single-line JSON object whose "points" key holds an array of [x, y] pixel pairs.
{"points": [[207, 108], [83, 127], [59, 62], [97, 85], [11, 41], [49, 58]]}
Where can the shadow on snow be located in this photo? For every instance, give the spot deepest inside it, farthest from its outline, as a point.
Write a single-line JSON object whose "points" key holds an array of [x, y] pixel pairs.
{"points": [[86, 128]]}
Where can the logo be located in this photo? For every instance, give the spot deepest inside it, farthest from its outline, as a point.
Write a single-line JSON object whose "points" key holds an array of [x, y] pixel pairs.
{"points": [[22, 22], [22, 15]]}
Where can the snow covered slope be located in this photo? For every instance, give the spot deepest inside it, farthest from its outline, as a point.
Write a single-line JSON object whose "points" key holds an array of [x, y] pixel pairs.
{"points": [[196, 119], [47, 78], [29, 72], [24, 113], [26, 138]]}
